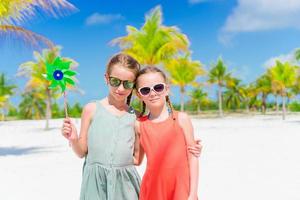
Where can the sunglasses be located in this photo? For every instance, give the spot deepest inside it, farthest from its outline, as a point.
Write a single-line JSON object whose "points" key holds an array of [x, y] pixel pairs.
{"points": [[115, 82], [158, 88]]}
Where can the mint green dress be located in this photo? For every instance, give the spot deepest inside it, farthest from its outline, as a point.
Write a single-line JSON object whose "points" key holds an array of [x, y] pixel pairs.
{"points": [[108, 171]]}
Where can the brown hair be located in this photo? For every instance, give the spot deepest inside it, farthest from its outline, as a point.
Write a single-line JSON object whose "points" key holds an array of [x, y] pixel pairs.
{"points": [[153, 69], [125, 61]]}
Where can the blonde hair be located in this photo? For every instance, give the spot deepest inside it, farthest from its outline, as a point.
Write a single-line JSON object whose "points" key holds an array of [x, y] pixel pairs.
{"points": [[125, 61], [153, 69]]}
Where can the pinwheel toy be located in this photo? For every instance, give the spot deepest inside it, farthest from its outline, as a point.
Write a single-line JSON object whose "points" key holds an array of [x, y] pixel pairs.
{"points": [[60, 74]]}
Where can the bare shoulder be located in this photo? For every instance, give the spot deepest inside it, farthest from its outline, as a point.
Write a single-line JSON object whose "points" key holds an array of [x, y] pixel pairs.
{"points": [[88, 110], [183, 119], [186, 124], [89, 107]]}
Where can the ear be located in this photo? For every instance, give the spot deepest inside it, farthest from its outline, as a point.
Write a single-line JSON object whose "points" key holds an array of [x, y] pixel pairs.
{"points": [[167, 92], [138, 94], [106, 78]]}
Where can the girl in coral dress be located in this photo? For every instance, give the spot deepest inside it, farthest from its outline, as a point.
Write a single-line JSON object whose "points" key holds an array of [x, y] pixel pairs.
{"points": [[164, 134]]}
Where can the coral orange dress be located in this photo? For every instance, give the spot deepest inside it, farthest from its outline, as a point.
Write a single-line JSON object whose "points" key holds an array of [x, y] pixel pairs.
{"points": [[167, 172]]}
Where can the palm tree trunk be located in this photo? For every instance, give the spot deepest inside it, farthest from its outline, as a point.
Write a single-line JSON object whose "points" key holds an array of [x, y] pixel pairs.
{"points": [[264, 104], [220, 101], [48, 108], [247, 106], [198, 108], [283, 106], [2, 116], [182, 99], [277, 104]]}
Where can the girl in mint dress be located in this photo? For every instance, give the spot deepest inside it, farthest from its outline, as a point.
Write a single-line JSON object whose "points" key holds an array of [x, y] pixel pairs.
{"points": [[107, 137]]}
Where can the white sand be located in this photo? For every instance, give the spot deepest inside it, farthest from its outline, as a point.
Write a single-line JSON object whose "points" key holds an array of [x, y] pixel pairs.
{"points": [[244, 158]]}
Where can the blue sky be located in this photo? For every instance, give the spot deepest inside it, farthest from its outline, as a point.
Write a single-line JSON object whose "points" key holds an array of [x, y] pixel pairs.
{"points": [[248, 34]]}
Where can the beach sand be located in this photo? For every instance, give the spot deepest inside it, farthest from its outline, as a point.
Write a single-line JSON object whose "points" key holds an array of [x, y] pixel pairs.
{"points": [[243, 158]]}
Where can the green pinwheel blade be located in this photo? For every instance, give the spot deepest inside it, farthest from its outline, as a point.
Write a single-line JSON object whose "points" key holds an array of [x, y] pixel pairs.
{"points": [[56, 61], [50, 69], [60, 64], [65, 65], [62, 85], [53, 85], [69, 73], [69, 81]]}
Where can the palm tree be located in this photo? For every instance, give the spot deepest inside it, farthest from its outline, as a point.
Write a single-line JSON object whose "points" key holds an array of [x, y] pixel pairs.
{"points": [[264, 88], [198, 96], [32, 105], [154, 42], [284, 76], [296, 87], [183, 71], [234, 95], [218, 75], [34, 70], [15, 12], [249, 94], [6, 91]]}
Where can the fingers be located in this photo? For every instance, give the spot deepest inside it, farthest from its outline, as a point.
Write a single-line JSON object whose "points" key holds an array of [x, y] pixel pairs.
{"points": [[194, 152], [67, 121], [66, 132], [195, 149], [198, 141], [67, 128]]}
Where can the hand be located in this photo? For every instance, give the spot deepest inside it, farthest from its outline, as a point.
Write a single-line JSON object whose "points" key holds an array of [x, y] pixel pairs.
{"points": [[69, 130], [196, 149]]}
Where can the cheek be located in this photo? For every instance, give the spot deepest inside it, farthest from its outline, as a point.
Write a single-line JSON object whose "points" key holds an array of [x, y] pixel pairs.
{"points": [[111, 89], [128, 91], [144, 99]]}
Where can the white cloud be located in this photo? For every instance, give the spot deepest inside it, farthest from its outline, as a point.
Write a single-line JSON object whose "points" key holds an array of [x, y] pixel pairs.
{"points": [[262, 15], [290, 57], [98, 18]]}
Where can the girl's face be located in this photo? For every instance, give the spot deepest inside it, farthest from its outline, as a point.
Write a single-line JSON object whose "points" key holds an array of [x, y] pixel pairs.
{"points": [[152, 89], [120, 82]]}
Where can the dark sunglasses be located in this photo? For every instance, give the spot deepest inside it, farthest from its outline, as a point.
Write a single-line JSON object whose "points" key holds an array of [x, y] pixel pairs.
{"points": [[115, 82], [158, 88]]}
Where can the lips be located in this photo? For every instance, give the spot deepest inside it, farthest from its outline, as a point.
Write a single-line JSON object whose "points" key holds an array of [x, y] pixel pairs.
{"points": [[120, 94], [153, 100]]}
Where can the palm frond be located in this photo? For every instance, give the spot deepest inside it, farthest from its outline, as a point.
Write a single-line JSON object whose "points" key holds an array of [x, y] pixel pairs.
{"points": [[29, 38], [15, 12]]}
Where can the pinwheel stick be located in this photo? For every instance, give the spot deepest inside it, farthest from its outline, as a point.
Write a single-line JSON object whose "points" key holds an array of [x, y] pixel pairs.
{"points": [[66, 104]]}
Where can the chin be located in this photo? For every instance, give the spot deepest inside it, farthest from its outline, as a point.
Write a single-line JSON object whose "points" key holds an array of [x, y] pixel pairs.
{"points": [[120, 97], [157, 103]]}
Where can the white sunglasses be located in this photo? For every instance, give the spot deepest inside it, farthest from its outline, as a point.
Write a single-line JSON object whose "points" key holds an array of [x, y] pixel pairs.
{"points": [[158, 88]]}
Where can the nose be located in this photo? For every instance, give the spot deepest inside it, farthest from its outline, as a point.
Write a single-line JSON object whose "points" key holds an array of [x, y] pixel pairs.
{"points": [[152, 93], [121, 87]]}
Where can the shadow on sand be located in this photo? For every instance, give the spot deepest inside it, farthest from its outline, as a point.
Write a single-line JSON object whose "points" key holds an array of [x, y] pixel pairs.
{"points": [[19, 151]]}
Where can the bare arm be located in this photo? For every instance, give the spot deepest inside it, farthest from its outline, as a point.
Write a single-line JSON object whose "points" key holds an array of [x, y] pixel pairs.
{"points": [[79, 143], [138, 149], [187, 127]]}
